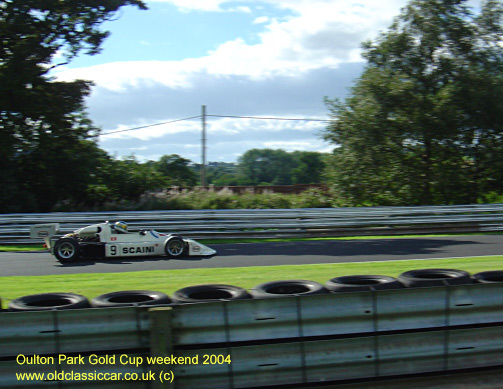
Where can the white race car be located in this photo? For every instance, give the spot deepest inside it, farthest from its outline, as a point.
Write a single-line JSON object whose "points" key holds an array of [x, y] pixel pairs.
{"points": [[112, 240]]}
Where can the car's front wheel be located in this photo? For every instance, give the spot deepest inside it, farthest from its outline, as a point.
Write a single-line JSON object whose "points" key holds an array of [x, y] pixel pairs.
{"points": [[175, 247], [66, 250]]}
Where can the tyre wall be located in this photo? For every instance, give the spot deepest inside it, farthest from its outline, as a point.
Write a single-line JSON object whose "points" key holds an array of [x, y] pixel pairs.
{"points": [[308, 336]]}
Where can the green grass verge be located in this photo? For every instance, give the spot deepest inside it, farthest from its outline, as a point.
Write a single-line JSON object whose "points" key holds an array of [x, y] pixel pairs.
{"points": [[167, 281], [8, 248]]}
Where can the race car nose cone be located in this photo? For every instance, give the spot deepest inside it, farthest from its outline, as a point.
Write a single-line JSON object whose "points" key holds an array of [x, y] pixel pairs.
{"points": [[196, 248]]}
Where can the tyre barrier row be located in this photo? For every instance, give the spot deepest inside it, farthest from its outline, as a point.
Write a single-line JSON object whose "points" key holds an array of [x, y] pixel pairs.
{"points": [[282, 288]]}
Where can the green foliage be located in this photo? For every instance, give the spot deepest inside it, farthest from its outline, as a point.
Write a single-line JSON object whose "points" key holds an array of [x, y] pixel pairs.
{"points": [[125, 179], [266, 166], [204, 199], [309, 167], [176, 170], [225, 200], [270, 167], [424, 122], [45, 154], [223, 174]]}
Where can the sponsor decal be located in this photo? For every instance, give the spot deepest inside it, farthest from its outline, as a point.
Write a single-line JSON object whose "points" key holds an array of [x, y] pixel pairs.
{"points": [[138, 250], [113, 238]]}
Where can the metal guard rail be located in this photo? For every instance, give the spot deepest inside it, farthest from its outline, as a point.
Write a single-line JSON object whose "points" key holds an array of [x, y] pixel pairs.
{"points": [[14, 228], [279, 341]]}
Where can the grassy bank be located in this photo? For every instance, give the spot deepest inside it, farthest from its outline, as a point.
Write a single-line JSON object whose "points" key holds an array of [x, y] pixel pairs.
{"points": [[168, 281]]}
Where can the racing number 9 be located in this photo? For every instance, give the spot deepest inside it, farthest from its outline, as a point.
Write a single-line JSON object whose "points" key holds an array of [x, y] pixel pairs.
{"points": [[113, 250]]}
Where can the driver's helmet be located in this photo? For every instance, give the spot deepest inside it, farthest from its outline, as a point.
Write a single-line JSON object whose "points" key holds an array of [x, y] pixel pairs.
{"points": [[120, 227]]}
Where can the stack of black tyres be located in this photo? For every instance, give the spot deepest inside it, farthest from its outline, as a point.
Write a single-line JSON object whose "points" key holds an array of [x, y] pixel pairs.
{"points": [[359, 283], [130, 298], [49, 301], [489, 277], [287, 288], [282, 288], [208, 293], [434, 277]]}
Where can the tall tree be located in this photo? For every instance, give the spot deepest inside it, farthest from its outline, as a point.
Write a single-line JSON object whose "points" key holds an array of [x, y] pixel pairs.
{"points": [[266, 167], [176, 170], [309, 167], [424, 122], [38, 115]]}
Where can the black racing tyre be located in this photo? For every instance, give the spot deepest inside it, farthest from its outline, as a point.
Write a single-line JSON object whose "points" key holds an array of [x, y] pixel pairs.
{"points": [[130, 297], [66, 250], [434, 277], [210, 292], [362, 283], [489, 277], [175, 247], [287, 288], [49, 301]]}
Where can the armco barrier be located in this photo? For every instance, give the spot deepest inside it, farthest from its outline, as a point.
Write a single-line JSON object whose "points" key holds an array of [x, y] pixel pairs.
{"points": [[237, 223], [278, 341]]}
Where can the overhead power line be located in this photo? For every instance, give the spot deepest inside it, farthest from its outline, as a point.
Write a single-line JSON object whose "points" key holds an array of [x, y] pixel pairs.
{"points": [[203, 116], [269, 118], [150, 125], [215, 116]]}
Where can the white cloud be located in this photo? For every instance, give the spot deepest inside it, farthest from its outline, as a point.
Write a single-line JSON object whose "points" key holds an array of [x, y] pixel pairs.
{"points": [[296, 61], [149, 132], [240, 9], [324, 34], [191, 5], [120, 76], [306, 145], [261, 20]]}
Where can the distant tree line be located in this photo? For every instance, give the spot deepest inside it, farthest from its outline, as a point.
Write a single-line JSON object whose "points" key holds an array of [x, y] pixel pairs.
{"points": [[269, 167], [96, 178], [116, 180]]}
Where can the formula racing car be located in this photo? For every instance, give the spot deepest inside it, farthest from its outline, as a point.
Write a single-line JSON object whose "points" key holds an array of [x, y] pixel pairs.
{"points": [[112, 240]]}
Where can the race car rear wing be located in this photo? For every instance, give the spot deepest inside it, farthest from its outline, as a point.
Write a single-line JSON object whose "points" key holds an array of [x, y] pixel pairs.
{"points": [[45, 232]]}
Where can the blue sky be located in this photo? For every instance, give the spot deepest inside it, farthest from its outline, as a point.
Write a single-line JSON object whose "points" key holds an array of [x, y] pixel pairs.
{"points": [[273, 58]]}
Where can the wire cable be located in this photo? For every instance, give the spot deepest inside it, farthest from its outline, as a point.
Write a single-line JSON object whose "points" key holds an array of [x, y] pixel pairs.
{"points": [[215, 116], [269, 118], [149, 125]]}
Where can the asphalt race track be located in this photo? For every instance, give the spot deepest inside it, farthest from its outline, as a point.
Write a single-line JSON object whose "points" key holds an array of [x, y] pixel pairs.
{"points": [[268, 254]]}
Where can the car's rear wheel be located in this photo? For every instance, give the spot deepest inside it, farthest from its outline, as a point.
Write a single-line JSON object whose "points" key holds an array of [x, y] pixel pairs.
{"points": [[66, 250], [175, 247]]}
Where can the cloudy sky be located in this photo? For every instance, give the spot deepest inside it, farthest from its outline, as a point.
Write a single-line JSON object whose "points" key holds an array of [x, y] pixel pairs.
{"points": [[267, 58]]}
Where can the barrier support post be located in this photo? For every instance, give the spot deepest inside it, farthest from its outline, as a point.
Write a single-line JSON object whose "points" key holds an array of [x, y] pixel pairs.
{"points": [[161, 346]]}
